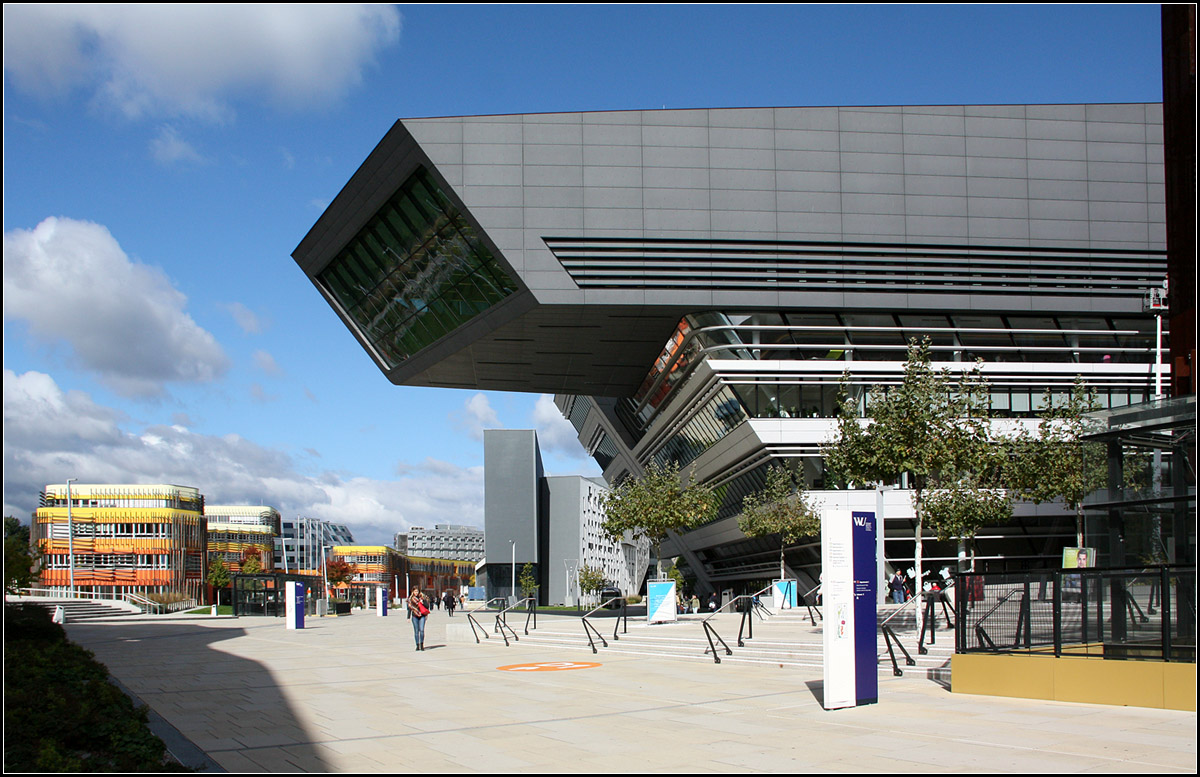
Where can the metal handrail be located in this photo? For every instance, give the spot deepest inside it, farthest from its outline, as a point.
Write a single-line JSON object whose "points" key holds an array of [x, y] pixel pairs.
{"points": [[901, 609], [710, 631], [889, 637], [929, 623], [475, 624], [810, 607], [140, 601], [502, 619], [622, 618], [755, 607], [982, 634]]}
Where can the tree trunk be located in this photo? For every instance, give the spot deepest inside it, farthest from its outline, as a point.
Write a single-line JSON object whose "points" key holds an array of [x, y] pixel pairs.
{"points": [[782, 576], [1079, 526]]}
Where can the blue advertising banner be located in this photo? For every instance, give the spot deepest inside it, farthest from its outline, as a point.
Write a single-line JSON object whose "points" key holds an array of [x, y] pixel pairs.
{"points": [[784, 594], [660, 601]]}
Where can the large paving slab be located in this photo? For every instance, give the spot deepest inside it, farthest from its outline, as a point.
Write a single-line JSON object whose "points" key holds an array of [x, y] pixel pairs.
{"points": [[351, 694]]}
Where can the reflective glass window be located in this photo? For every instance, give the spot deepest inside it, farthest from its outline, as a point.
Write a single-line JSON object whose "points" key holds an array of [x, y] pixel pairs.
{"points": [[415, 272]]}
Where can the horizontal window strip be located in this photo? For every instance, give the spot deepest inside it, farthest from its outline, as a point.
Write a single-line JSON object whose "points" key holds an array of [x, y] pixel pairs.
{"points": [[689, 264]]}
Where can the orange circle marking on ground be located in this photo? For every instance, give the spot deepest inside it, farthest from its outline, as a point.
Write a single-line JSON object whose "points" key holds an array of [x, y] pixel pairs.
{"points": [[548, 666]]}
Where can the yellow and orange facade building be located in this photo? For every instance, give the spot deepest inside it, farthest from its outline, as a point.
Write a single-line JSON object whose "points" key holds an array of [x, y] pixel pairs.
{"points": [[123, 539], [236, 530], [380, 566]]}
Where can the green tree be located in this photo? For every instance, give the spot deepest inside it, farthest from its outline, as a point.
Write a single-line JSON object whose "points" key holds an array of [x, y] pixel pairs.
{"points": [[19, 559], [591, 579], [252, 561], [1055, 463], [782, 508], [655, 504], [675, 573], [528, 581], [934, 429], [218, 575], [252, 566]]}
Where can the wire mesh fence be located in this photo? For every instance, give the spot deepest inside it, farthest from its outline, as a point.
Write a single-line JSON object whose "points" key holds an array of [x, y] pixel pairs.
{"points": [[1134, 613]]}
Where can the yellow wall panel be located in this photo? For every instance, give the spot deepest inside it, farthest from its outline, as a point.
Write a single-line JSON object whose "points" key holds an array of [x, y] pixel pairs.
{"points": [[1155, 684]]}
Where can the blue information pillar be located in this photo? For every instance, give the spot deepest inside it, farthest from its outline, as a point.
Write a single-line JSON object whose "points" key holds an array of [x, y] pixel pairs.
{"points": [[294, 604], [866, 638], [848, 601]]}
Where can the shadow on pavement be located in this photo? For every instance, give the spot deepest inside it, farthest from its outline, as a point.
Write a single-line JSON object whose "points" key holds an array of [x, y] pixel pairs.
{"points": [[231, 708]]}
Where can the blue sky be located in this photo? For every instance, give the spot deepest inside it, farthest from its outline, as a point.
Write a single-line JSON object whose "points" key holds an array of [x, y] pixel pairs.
{"points": [[162, 162]]}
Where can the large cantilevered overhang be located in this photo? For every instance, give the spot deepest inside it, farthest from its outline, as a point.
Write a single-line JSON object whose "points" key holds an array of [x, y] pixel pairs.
{"points": [[558, 252]]}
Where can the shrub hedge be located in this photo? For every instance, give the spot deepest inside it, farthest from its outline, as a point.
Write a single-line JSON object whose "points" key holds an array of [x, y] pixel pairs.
{"points": [[61, 714]]}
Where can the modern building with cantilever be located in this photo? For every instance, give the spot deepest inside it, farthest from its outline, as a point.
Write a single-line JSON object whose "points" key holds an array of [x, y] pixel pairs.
{"points": [[693, 284]]}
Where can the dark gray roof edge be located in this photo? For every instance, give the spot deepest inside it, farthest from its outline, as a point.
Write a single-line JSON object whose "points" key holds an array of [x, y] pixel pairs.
{"points": [[766, 108]]}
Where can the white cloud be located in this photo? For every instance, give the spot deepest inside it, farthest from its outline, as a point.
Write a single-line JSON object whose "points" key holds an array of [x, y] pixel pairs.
{"points": [[476, 415], [52, 435], [555, 432], [191, 60], [125, 321], [246, 319], [259, 394], [169, 148], [266, 362]]}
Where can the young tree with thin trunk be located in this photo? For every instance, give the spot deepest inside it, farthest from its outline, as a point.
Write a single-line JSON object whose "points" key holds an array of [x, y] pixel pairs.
{"points": [[591, 579], [655, 504], [933, 428], [782, 509], [1056, 463], [218, 575]]}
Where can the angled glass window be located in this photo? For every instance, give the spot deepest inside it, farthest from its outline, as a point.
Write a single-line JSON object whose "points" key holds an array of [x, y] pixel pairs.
{"points": [[415, 272]]}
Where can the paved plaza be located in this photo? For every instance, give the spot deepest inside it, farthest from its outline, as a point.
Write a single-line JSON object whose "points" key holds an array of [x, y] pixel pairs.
{"points": [[350, 694]]}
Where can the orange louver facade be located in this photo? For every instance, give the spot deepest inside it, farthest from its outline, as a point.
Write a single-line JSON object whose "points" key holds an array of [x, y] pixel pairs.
{"points": [[125, 539], [379, 566], [235, 530]]}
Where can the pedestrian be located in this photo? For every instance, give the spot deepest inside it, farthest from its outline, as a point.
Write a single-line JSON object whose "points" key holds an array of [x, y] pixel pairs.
{"points": [[897, 586], [695, 603], [448, 598], [418, 610], [712, 602]]}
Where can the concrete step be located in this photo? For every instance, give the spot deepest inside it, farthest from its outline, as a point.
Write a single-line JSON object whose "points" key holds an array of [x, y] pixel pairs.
{"points": [[783, 640], [84, 609]]}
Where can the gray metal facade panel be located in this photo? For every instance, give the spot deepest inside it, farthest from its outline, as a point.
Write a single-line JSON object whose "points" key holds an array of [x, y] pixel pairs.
{"points": [[1067, 176], [512, 468]]}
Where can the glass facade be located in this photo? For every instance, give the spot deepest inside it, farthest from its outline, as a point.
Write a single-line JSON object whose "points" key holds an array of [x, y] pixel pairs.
{"points": [[414, 273], [719, 416], [849, 338]]}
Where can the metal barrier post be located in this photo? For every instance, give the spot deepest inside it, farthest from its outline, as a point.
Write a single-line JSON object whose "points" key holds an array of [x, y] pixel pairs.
{"points": [[1057, 610], [1164, 606], [1027, 605], [1083, 609]]}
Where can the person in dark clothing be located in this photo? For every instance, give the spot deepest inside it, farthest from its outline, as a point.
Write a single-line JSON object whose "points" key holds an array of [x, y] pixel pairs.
{"points": [[449, 600], [897, 585]]}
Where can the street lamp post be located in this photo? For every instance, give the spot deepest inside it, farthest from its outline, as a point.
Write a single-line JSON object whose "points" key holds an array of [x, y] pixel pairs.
{"points": [[70, 538], [512, 591], [325, 569]]}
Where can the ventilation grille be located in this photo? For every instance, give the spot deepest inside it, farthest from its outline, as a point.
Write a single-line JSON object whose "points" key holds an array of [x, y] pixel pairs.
{"points": [[813, 266]]}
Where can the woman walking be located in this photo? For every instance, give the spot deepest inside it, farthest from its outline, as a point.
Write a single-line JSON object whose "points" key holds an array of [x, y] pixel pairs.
{"points": [[418, 610]]}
